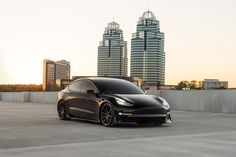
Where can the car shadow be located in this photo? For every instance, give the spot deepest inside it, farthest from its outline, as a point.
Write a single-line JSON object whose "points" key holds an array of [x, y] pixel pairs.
{"points": [[136, 126], [125, 125]]}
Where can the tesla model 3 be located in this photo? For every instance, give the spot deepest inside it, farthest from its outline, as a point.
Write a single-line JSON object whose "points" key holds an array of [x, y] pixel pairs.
{"points": [[110, 101]]}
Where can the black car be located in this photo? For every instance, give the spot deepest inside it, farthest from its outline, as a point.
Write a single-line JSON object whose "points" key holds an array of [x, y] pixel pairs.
{"points": [[110, 101]]}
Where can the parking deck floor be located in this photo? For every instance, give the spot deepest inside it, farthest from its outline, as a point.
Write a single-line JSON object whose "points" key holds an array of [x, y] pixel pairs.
{"points": [[34, 130]]}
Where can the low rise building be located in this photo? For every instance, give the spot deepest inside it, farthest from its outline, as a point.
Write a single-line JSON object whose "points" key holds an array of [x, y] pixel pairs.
{"points": [[214, 84]]}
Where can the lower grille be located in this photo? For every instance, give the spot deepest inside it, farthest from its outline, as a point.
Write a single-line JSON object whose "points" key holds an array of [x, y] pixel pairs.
{"points": [[150, 110], [144, 119]]}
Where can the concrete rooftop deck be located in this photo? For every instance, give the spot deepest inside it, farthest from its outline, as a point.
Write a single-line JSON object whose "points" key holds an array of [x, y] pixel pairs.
{"points": [[33, 130]]}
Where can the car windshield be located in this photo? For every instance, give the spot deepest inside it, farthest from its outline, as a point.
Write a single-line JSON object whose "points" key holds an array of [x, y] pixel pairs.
{"points": [[116, 86]]}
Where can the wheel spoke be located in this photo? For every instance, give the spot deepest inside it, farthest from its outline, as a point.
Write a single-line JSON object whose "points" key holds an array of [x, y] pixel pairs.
{"points": [[105, 120], [61, 111]]}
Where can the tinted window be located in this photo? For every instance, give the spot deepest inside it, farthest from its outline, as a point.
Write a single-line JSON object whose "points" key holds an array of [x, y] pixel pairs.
{"points": [[75, 86], [87, 85], [82, 86], [115, 86]]}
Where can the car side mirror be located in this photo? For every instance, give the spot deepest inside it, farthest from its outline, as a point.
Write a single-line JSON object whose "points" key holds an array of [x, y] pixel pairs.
{"points": [[91, 91]]}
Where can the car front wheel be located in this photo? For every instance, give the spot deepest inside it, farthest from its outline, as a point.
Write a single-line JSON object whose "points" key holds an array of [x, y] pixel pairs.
{"points": [[107, 115], [62, 112]]}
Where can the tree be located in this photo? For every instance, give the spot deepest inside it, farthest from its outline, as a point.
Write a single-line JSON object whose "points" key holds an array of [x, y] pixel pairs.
{"points": [[189, 85], [182, 84], [193, 84]]}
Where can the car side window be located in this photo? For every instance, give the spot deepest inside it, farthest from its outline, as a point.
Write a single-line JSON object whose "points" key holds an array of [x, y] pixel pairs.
{"points": [[76, 86], [82, 86], [87, 85]]}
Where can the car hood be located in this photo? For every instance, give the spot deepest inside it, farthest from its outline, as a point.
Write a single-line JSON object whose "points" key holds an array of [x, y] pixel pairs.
{"points": [[141, 100]]}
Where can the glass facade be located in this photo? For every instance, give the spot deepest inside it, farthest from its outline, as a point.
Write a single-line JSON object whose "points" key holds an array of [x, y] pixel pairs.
{"points": [[112, 52], [147, 51]]}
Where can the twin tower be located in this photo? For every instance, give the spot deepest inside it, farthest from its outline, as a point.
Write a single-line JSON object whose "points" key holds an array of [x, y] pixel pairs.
{"points": [[147, 51]]}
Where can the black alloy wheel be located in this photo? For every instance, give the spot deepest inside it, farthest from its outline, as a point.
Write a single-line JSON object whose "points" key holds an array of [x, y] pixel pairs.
{"points": [[107, 115], [62, 113]]}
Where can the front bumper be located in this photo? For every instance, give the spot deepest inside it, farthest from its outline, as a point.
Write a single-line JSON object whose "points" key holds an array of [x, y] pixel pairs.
{"points": [[148, 115]]}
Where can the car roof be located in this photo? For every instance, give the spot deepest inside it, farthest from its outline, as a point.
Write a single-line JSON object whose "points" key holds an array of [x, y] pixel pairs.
{"points": [[96, 78]]}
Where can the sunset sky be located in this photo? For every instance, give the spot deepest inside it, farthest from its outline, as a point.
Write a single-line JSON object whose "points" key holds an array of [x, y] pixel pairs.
{"points": [[200, 36]]}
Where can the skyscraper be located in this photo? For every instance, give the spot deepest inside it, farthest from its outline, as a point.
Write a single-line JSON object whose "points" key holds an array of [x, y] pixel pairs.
{"points": [[54, 70], [112, 52], [147, 50]]}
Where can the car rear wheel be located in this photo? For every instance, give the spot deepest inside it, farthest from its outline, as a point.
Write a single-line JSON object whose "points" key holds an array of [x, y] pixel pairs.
{"points": [[62, 112], [107, 115]]}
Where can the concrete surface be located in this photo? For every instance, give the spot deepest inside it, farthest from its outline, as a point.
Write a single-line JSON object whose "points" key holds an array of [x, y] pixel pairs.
{"points": [[33, 130], [216, 101]]}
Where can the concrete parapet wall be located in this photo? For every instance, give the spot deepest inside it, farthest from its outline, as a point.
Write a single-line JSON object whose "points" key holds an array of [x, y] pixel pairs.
{"points": [[43, 97], [15, 96], [40, 97], [222, 101]]}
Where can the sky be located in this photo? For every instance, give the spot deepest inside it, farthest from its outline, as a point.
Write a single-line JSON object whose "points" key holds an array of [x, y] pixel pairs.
{"points": [[200, 36]]}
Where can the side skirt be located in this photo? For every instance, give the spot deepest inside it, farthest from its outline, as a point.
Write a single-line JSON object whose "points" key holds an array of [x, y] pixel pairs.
{"points": [[83, 119]]}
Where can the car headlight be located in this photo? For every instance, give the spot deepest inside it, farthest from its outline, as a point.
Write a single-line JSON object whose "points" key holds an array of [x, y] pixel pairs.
{"points": [[123, 102], [164, 103]]}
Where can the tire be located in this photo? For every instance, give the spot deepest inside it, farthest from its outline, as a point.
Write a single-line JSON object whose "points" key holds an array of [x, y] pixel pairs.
{"points": [[107, 115], [62, 112]]}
